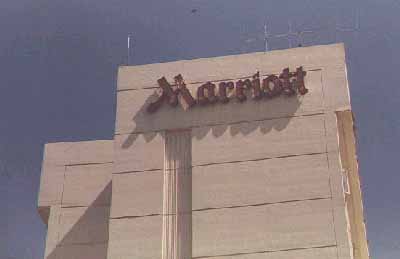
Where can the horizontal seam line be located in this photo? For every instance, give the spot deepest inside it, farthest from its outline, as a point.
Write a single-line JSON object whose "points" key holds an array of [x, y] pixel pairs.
{"points": [[212, 81], [315, 113], [264, 204], [83, 244], [80, 164], [260, 159], [227, 162], [84, 206], [139, 171], [227, 207], [268, 251]]}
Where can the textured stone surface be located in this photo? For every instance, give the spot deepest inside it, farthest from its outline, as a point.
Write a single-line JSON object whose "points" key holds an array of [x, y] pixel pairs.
{"points": [[82, 225], [135, 238], [312, 253], [89, 251], [258, 140], [342, 228], [87, 185], [52, 232], [258, 182], [51, 185], [68, 153], [138, 152], [137, 194], [263, 228]]}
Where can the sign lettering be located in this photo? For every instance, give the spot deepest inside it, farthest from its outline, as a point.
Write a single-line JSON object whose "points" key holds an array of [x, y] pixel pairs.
{"points": [[287, 83]]}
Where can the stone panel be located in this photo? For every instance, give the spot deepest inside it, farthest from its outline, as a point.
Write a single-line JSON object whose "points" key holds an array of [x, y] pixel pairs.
{"points": [[90, 251], [86, 185], [335, 85], [342, 227], [51, 185], [135, 238], [263, 139], [82, 225], [331, 138], [53, 153], [257, 182], [138, 152], [263, 228], [83, 152], [137, 194], [52, 233]]}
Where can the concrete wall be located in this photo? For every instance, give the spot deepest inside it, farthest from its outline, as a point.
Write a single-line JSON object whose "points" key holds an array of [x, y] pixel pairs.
{"points": [[266, 176]]}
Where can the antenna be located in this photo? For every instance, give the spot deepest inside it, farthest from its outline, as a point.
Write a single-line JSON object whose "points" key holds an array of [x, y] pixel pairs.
{"points": [[266, 37], [129, 47], [357, 19], [290, 33]]}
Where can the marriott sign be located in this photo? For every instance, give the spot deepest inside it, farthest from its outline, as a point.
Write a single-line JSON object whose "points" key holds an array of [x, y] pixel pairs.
{"points": [[287, 83]]}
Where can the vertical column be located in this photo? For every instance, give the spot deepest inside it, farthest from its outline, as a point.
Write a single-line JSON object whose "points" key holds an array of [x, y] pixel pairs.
{"points": [[177, 197]]}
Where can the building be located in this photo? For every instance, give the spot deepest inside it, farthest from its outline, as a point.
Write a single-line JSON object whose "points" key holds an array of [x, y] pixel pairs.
{"points": [[244, 157]]}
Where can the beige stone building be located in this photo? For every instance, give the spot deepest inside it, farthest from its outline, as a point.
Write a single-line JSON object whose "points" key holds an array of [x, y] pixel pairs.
{"points": [[241, 159]]}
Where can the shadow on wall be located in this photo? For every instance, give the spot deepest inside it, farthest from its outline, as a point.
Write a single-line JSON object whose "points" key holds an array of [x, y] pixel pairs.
{"points": [[88, 237], [242, 117]]}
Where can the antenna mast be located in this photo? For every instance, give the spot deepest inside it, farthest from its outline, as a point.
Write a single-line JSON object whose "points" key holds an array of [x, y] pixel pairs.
{"points": [[266, 37], [129, 52]]}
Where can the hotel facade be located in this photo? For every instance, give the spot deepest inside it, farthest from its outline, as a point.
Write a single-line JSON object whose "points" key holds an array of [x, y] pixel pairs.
{"points": [[246, 157]]}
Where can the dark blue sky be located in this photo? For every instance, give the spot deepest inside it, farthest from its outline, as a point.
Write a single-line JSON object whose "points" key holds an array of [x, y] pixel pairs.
{"points": [[59, 60]]}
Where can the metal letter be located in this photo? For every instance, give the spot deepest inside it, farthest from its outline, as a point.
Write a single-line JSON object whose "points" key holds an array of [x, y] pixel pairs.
{"points": [[240, 87], [277, 86], [286, 84], [299, 82], [256, 85], [185, 97], [206, 94], [167, 93], [172, 95], [222, 94]]}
